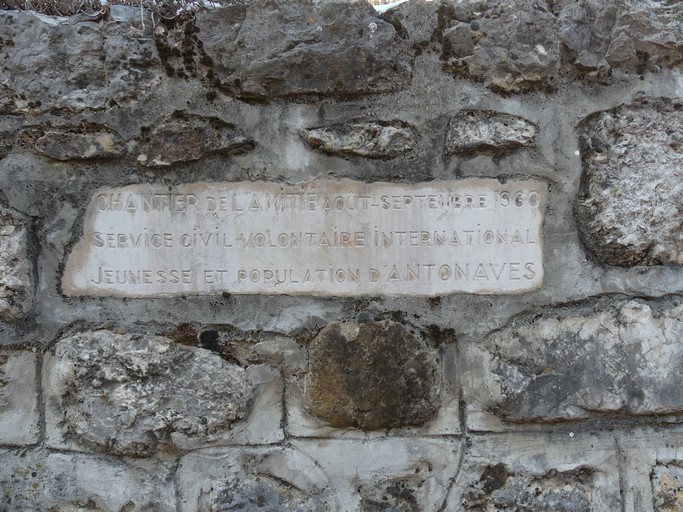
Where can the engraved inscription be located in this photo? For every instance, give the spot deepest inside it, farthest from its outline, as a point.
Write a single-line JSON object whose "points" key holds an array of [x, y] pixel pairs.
{"points": [[318, 238]]}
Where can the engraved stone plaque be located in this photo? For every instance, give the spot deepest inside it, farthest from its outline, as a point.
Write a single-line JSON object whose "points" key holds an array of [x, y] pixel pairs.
{"points": [[326, 238]]}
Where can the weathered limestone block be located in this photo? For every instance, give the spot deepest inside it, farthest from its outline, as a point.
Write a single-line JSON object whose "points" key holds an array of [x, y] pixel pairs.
{"points": [[667, 487], [131, 394], [329, 48], [637, 36], [368, 139], [77, 63], [371, 376], [470, 130], [18, 398], [498, 489], [186, 137], [562, 471], [69, 482], [630, 210], [510, 46], [16, 276], [602, 357], [259, 492], [320, 475], [132, 61], [87, 142]]}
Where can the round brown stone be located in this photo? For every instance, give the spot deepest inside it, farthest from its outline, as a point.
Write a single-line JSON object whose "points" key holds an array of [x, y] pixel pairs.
{"points": [[371, 376]]}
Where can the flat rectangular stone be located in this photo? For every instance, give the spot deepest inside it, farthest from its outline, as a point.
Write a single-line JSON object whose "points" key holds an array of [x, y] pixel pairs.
{"points": [[19, 416], [325, 238]]}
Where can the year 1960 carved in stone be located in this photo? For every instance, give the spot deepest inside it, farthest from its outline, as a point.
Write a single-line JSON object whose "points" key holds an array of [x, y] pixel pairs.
{"points": [[317, 238]]}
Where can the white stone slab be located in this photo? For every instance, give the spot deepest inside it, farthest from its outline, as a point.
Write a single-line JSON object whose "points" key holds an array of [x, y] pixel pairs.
{"points": [[334, 238]]}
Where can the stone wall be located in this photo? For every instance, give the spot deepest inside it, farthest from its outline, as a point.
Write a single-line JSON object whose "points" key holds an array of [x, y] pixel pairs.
{"points": [[566, 396]]}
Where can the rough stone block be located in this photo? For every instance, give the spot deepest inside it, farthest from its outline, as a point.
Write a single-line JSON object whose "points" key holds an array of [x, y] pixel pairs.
{"points": [[630, 210], [66, 482], [135, 395], [471, 130], [330, 48], [75, 63], [367, 139], [86, 142], [510, 46], [559, 472], [131, 57], [551, 365], [391, 474], [599, 35], [18, 398], [16, 276], [186, 137], [371, 376]]}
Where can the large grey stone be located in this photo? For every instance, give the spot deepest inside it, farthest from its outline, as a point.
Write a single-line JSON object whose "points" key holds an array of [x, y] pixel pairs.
{"points": [[510, 46], [637, 36], [524, 45], [630, 210], [499, 489], [185, 137], [134, 394], [371, 376], [322, 475], [374, 139], [39, 481], [558, 471], [16, 275], [19, 415], [601, 357], [320, 48], [76, 63], [472, 130], [259, 492], [555, 471]]}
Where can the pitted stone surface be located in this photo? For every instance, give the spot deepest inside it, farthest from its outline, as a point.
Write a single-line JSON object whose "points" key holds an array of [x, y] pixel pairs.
{"points": [[128, 394], [367, 139], [86, 142], [638, 36], [38, 481], [471, 130], [667, 487], [552, 366], [77, 63], [323, 475], [185, 137], [16, 280], [630, 210], [371, 376], [401, 495], [259, 492], [510, 46], [332, 48], [499, 489], [514, 46]]}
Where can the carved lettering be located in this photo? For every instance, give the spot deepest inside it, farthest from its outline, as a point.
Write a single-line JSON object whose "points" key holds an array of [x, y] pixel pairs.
{"points": [[330, 238]]}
